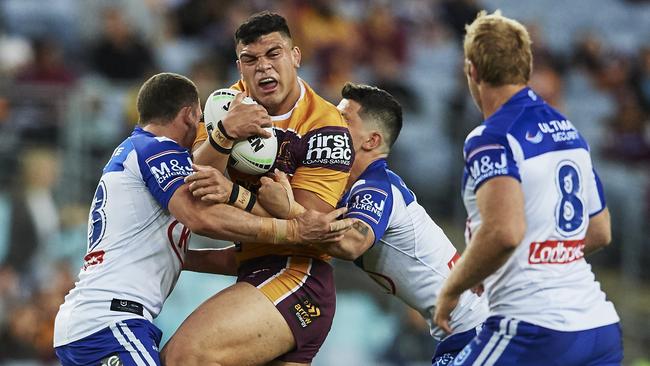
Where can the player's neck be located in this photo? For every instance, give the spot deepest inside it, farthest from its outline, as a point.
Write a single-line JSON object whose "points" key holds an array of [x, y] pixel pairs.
{"points": [[361, 162], [492, 98]]}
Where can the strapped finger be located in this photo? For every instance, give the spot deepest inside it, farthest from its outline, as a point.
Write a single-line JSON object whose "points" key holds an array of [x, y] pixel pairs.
{"points": [[340, 225]]}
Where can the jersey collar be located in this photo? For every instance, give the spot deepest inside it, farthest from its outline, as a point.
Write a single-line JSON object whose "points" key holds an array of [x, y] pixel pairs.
{"points": [[378, 164], [139, 131], [524, 96]]}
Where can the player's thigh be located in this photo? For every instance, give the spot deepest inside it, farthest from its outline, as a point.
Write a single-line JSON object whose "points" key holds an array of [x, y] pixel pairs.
{"points": [[237, 326]]}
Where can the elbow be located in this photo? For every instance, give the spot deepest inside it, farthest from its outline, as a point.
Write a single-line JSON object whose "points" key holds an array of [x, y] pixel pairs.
{"points": [[348, 252], [510, 237], [603, 240], [199, 224], [350, 255]]}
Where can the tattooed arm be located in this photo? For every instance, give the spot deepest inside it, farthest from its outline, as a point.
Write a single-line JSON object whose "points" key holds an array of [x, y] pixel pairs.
{"points": [[355, 242]]}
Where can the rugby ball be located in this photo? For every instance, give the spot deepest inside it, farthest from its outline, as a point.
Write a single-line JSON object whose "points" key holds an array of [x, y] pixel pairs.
{"points": [[254, 155]]}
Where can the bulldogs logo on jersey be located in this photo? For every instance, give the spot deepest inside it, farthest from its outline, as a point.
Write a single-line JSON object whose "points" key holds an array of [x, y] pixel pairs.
{"points": [[169, 166], [368, 202]]}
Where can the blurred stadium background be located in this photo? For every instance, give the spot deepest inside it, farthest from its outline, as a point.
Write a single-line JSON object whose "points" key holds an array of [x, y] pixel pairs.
{"points": [[69, 73]]}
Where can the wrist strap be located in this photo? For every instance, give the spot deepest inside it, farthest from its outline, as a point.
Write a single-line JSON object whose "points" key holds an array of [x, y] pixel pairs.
{"points": [[223, 131], [220, 140], [273, 231], [241, 197], [215, 145]]}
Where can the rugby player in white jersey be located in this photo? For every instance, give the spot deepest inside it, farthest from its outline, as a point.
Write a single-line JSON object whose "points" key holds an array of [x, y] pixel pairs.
{"points": [[535, 207], [393, 239], [139, 227]]}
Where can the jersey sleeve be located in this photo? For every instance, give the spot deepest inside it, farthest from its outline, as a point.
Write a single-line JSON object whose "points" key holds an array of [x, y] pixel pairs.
{"points": [[596, 196], [163, 165], [372, 204], [488, 156]]}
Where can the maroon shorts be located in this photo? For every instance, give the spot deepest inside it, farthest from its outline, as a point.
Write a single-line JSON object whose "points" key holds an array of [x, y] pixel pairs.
{"points": [[302, 289]]}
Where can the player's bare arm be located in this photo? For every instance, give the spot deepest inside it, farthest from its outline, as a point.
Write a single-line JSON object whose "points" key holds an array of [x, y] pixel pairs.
{"points": [[218, 261], [242, 121], [230, 223], [501, 205], [599, 232], [278, 197], [211, 186]]}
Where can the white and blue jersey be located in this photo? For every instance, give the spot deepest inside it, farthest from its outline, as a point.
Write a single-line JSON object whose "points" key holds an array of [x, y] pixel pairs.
{"points": [[135, 247], [411, 256], [546, 282]]}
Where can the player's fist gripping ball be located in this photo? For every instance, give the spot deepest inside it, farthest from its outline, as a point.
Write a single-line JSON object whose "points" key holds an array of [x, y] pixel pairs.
{"points": [[254, 155]]}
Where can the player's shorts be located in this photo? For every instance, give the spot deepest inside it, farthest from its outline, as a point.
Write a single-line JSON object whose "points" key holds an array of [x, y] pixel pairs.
{"points": [[302, 289], [449, 347], [507, 341], [132, 342]]}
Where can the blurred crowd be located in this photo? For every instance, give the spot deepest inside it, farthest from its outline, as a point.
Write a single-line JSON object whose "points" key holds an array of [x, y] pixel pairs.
{"points": [[70, 71]]}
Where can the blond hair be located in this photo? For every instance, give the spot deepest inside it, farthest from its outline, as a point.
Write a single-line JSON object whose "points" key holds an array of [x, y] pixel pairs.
{"points": [[499, 48]]}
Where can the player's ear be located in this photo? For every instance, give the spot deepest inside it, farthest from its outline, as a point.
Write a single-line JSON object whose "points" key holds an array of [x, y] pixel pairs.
{"points": [[188, 115], [374, 141], [471, 71], [296, 56], [239, 68]]}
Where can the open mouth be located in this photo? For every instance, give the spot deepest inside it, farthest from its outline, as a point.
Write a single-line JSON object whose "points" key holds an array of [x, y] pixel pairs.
{"points": [[267, 84]]}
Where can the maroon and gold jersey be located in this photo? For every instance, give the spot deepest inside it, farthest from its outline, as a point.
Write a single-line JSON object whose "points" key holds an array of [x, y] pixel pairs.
{"points": [[315, 149]]}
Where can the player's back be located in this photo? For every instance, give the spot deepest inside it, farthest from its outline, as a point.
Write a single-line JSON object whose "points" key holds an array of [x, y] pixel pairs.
{"points": [[135, 247], [411, 256], [546, 281]]}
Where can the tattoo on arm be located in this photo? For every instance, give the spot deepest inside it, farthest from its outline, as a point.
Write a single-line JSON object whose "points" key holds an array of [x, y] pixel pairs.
{"points": [[361, 228]]}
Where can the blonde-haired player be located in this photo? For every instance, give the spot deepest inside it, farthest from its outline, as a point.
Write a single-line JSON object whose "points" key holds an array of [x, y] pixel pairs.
{"points": [[535, 207]]}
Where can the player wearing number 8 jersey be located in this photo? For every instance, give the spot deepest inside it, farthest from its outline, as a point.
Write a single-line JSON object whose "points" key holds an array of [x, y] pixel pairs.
{"points": [[535, 207]]}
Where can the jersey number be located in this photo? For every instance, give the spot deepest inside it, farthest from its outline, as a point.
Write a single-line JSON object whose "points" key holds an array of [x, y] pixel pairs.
{"points": [[569, 214], [97, 219]]}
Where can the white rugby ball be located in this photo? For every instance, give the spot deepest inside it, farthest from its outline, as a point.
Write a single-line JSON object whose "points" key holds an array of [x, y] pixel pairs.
{"points": [[254, 155]]}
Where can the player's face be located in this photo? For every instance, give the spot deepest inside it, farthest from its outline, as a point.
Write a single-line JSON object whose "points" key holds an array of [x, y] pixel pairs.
{"points": [[268, 68], [350, 111]]}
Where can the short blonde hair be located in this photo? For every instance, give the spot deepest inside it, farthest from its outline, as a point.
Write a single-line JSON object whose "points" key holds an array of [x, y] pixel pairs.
{"points": [[499, 48]]}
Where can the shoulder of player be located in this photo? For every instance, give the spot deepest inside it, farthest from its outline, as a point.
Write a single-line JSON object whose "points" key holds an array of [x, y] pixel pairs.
{"points": [[374, 179], [316, 112], [146, 142]]}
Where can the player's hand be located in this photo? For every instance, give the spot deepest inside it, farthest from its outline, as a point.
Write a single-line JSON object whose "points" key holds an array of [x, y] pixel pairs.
{"points": [[315, 227], [276, 195], [244, 120], [445, 304], [209, 184]]}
